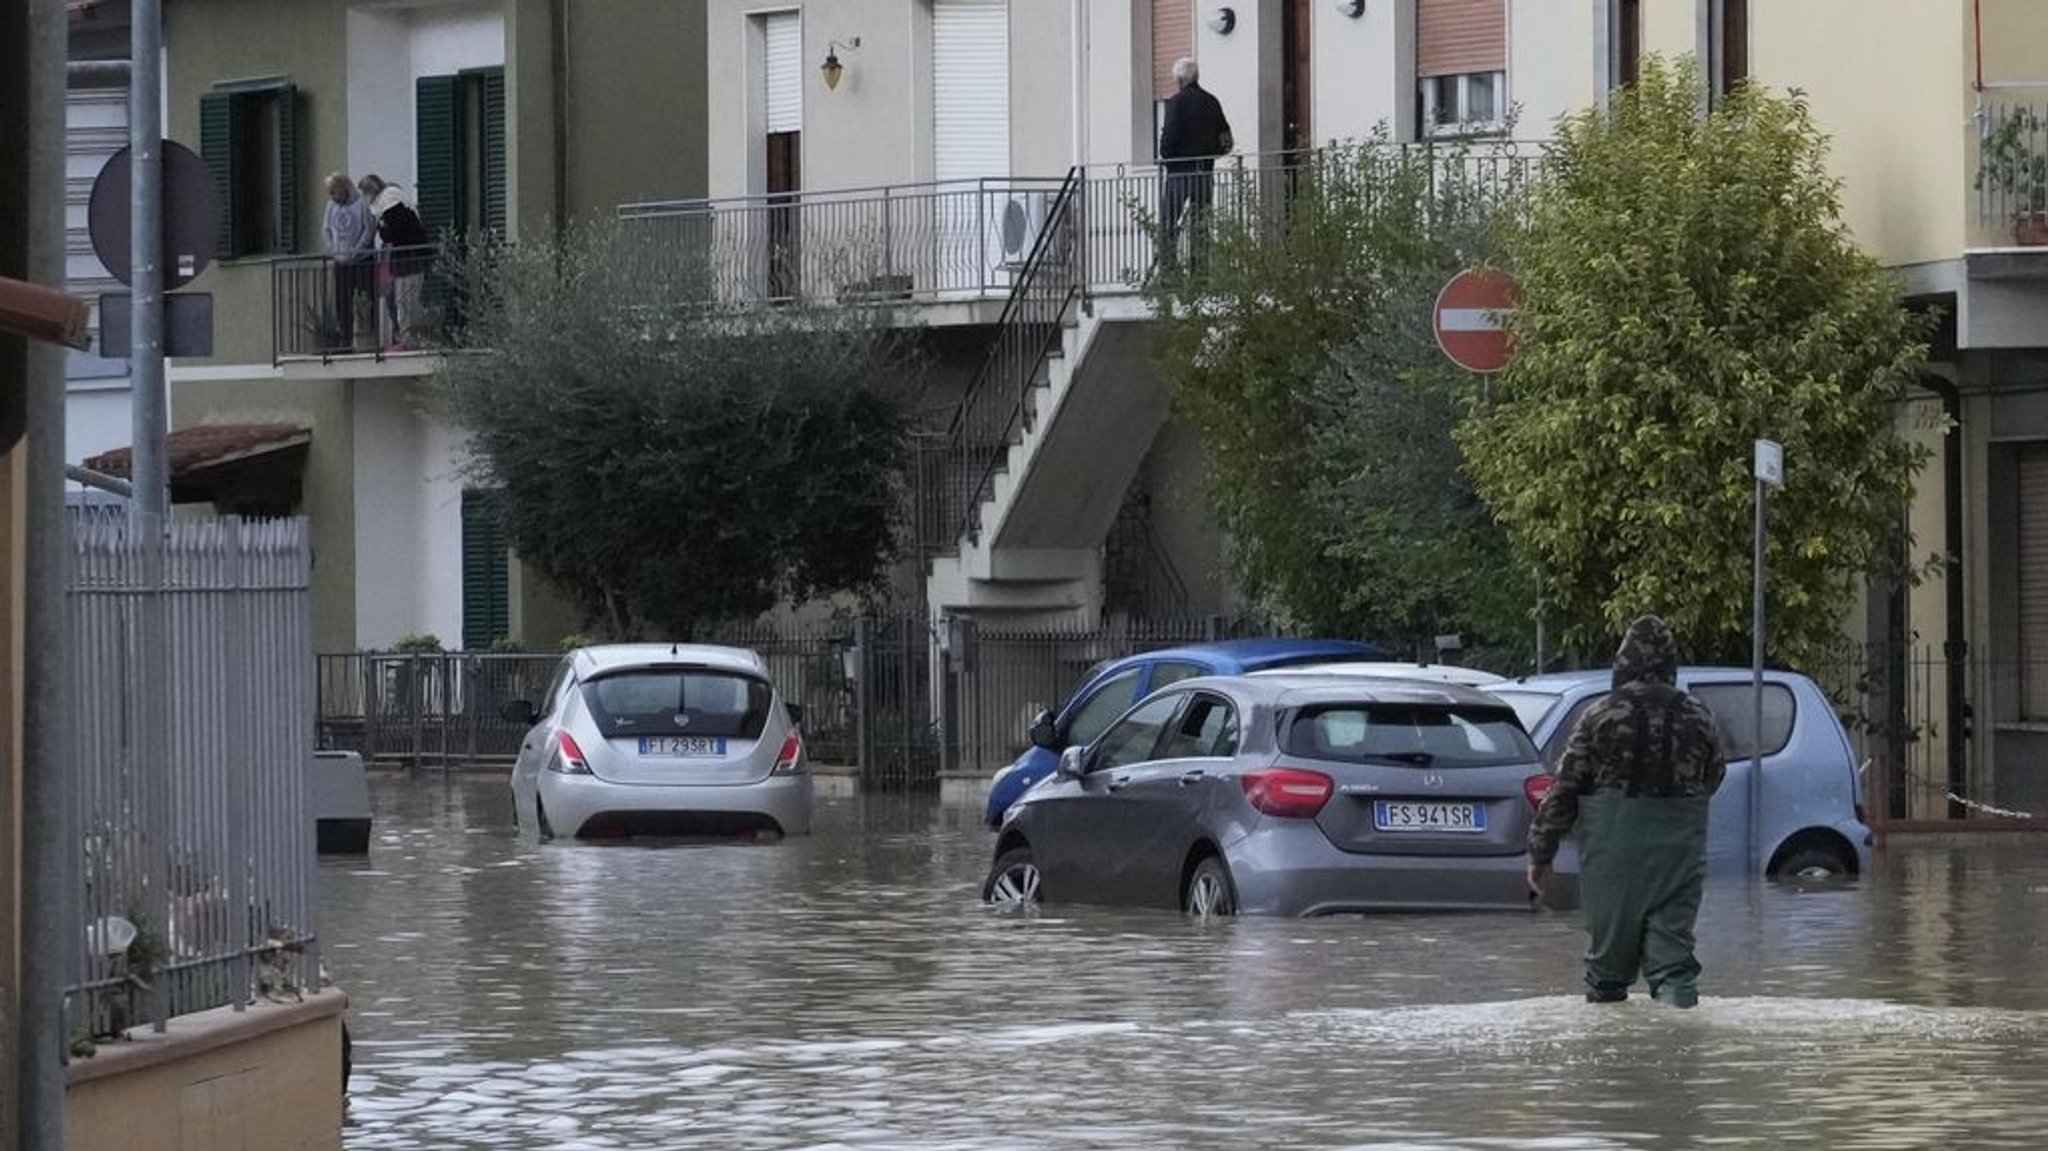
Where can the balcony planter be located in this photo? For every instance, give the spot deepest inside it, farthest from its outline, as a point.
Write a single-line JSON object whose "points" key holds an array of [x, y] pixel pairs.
{"points": [[2030, 229]]}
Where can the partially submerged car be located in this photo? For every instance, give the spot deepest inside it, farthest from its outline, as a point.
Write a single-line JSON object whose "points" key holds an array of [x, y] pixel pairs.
{"points": [[661, 739], [1812, 823], [1287, 795], [1110, 688]]}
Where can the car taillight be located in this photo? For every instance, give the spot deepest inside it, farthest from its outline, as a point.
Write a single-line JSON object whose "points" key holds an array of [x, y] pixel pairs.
{"points": [[1536, 787], [568, 758], [1288, 792], [790, 759]]}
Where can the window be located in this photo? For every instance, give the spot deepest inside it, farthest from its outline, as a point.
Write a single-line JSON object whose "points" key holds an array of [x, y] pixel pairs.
{"points": [[1734, 708], [1166, 673], [1730, 47], [1207, 728], [1466, 102], [461, 151], [249, 137], [486, 598], [1108, 702], [1426, 734], [678, 701], [1133, 738], [553, 698]]}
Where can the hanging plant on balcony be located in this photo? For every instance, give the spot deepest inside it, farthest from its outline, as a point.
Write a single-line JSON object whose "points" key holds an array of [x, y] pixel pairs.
{"points": [[2014, 161]]}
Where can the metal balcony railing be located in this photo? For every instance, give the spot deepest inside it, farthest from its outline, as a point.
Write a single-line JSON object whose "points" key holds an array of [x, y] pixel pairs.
{"points": [[2012, 170], [392, 301]]}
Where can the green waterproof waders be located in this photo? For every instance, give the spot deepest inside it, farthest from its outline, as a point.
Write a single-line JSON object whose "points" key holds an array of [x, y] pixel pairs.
{"points": [[1642, 862]]}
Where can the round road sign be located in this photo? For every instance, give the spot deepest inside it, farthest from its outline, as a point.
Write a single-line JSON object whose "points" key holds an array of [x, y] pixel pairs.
{"points": [[1471, 319], [191, 217]]}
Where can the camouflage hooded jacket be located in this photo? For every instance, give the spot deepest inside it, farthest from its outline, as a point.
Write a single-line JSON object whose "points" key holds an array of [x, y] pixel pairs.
{"points": [[1646, 738]]}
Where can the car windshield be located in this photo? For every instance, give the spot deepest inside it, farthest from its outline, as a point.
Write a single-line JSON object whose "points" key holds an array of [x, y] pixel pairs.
{"points": [[678, 701], [1530, 706], [1434, 735]]}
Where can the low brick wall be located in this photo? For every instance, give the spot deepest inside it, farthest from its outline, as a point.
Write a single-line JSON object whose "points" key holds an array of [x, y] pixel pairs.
{"points": [[264, 1079]]}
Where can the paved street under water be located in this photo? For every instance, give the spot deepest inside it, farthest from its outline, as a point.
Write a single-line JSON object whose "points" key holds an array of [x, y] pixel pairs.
{"points": [[849, 990]]}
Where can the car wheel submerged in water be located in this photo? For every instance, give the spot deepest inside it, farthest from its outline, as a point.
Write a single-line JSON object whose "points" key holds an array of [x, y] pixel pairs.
{"points": [[1810, 863], [1014, 880], [1210, 894]]}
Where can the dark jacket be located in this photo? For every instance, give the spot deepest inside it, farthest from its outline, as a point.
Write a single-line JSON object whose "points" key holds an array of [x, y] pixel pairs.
{"points": [[1194, 132], [1646, 738]]}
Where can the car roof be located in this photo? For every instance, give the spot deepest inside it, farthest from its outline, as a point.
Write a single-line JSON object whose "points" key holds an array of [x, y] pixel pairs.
{"points": [[1285, 689], [1265, 651], [1559, 682], [616, 656], [1438, 672]]}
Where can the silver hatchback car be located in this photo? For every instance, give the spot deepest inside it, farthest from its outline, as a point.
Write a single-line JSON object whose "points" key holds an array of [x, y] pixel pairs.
{"points": [[661, 739], [1287, 795]]}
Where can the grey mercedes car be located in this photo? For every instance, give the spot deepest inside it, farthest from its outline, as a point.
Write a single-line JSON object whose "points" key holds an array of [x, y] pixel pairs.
{"points": [[1281, 794]]}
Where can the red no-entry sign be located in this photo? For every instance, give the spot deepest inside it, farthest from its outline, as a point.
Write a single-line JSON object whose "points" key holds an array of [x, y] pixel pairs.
{"points": [[1471, 319]]}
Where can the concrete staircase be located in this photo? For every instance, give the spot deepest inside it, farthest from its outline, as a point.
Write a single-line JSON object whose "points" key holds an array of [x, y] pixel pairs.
{"points": [[1034, 553]]}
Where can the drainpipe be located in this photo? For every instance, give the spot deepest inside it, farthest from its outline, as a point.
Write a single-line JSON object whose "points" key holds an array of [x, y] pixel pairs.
{"points": [[1955, 650]]}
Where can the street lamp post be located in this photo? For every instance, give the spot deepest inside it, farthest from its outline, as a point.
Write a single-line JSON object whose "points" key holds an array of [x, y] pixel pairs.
{"points": [[1770, 473]]}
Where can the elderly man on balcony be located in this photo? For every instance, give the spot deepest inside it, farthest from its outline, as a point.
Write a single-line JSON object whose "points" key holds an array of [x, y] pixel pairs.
{"points": [[351, 236], [1193, 134]]}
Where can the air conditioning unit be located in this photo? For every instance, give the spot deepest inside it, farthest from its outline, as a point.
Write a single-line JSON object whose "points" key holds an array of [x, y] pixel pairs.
{"points": [[1024, 216]]}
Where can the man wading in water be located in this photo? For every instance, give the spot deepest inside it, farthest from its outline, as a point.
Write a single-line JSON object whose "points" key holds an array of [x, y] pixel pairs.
{"points": [[1635, 780]]}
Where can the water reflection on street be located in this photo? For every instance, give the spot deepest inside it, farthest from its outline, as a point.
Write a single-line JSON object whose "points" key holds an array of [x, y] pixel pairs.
{"points": [[849, 991]]}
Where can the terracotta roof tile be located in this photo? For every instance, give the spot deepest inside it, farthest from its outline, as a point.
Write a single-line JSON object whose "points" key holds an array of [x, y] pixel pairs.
{"points": [[203, 445]]}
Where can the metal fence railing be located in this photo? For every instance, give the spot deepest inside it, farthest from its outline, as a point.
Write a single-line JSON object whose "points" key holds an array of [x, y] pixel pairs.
{"points": [[2012, 169], [390, 302], [426, 707], [191, 717]]}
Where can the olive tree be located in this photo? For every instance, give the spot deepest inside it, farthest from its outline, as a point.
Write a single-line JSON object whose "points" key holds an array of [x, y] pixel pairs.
{"points": [[1687, 286], [665, 462]]}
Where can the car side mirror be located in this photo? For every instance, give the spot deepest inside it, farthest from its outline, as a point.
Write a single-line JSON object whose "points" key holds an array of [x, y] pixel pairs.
{"points": [[1072, 765], [796, 714], [1044, 733], [518, 711]]}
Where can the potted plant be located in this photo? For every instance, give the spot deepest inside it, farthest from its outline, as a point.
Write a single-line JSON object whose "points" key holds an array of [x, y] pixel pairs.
{"points": [[2015, 162]]}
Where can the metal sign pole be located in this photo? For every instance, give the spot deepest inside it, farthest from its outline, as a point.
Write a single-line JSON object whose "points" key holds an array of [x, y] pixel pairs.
{"points": [[1770, 472]]}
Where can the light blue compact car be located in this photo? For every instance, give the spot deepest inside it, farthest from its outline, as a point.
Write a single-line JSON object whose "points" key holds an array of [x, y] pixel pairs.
{"points": [[1812, 813]]}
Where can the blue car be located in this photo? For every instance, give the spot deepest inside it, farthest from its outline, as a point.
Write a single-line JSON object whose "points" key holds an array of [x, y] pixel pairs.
{"points": [[1109, 689], [1811, 813]]}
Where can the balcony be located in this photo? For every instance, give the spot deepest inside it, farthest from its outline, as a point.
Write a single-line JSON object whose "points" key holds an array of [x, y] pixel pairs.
{"points": [[2011, 176], [390, 305]]}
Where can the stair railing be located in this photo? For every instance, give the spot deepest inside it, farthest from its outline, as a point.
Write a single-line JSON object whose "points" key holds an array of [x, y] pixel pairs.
{"points": [[958, 469]]}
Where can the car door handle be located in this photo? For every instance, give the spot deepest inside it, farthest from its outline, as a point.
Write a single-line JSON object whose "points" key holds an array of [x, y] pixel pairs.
{"points": [[1119, 783], [1195, 776]]}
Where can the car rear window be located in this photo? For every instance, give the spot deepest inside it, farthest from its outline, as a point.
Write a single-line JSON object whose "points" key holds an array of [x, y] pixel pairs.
{"points": [[678, 701], [1437, 735], [1530, 706]]}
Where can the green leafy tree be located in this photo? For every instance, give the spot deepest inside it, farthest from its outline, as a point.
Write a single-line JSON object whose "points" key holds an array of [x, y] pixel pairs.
{"points": [[1299, 346], [666, 463], [1687, 287]]}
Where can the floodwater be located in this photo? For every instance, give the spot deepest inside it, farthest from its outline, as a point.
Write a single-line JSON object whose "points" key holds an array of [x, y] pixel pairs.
{"points": [[850, 991]]}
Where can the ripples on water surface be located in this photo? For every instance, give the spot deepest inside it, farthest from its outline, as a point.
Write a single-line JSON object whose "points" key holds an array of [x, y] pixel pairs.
{"points": [[849, 991]]}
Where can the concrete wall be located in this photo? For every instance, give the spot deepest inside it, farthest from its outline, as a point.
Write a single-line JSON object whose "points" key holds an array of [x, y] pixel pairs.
{"points": [[1550, 62], [327, 500], [1362, 71], [1115, 90], [296, 39], [637, 103], [408, 519], [266, 1079], [1242, 69]]}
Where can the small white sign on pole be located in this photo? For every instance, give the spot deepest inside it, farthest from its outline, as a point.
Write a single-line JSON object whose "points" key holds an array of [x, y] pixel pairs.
{"points": [[1770, 463]]}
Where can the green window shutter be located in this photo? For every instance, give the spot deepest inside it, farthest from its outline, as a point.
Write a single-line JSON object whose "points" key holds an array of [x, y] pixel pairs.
{"points": [[494, 150], [216, 147], [486, 603], [289, 120], [438, 124]]}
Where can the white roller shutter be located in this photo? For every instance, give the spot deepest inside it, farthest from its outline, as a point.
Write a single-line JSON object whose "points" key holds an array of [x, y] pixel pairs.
{"points": [[784, 72], [970, 89]]}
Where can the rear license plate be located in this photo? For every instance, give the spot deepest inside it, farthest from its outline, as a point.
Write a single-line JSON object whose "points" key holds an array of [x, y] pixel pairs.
{"points": [[1391, 815], [674, 745]]}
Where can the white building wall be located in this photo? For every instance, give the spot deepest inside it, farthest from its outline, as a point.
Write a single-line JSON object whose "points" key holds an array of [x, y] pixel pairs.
{"points": [[1116, 86], [1242, 69], [97, 412], [388, 49], [1362, 71], [408, 504], [1550, 63]]}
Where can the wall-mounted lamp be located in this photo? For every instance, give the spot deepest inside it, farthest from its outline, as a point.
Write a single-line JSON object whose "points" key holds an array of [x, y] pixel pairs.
{"points": [[1222, 21], [832, 69], [1351, 8]]}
